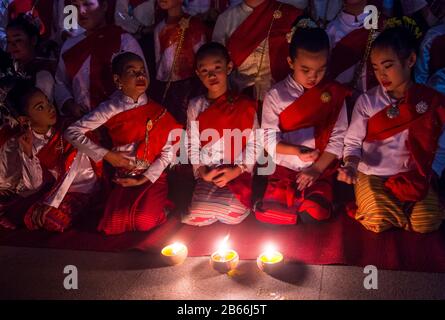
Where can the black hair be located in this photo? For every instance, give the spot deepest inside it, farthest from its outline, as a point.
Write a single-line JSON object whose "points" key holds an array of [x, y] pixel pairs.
{"points": [[18, 97], [212, 49], [310, 39], [23, 22], [119, 62], [401, 40]]}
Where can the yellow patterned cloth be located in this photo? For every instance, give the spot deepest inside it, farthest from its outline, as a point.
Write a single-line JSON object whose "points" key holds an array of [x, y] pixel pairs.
{"points": [[379, 210]]}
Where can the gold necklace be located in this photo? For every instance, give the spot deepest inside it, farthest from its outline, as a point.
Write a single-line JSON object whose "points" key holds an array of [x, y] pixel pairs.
{"points": [[184, 24]]}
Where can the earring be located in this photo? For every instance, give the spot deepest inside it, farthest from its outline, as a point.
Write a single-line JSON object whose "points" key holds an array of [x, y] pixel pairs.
{"points": [[119, 86]]}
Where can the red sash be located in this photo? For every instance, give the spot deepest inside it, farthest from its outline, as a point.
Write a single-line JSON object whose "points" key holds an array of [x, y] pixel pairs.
{"points": [[254, 29], [185, 63], [424, 132], [437, 51], [52, 156], [309, 110], [232, 112], [228, 112], [100, 45], [43, 11], [130, 127], [348, 52]]}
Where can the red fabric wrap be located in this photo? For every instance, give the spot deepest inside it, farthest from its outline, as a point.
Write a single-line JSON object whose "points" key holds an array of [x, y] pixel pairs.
{"points": [[254, 29], [349, 51], [229, 112], [424, 132], [61, 218], [241, 187], [100, 45], [170, 34], [310, 111], [282, 192], [130, 127], [52, 157], [139, 208]]}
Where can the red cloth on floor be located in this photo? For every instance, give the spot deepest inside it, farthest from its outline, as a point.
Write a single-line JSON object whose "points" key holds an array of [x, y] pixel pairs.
{"points": [[341, 240]]}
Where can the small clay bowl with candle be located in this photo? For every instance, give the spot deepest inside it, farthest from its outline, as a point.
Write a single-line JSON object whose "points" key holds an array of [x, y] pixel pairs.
{"points": [[224, 261], [270, 262], [174, 254]]}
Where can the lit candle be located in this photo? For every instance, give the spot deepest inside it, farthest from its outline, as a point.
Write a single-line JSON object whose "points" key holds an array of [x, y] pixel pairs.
{"points": [[270, 260], [174, 254], [224, 259]]}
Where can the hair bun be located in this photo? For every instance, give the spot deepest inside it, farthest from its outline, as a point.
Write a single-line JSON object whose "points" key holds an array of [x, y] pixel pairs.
{"points": [[306, 23], [301, 23], [406, 23]]}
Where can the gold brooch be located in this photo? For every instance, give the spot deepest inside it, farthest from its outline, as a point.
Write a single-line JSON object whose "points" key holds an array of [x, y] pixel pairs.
{"points": [[184, 23], [325, 97], [277, 14], [149, 125]]}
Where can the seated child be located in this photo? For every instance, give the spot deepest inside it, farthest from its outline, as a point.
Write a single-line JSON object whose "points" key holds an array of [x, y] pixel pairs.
{"points": [[142, 149], [391, 142], [65, 179], [305, 120], [222, 168]]}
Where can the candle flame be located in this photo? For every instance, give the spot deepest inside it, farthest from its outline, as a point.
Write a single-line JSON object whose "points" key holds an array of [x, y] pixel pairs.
{"points": [[223, 246], [269, 252], [176, 247]]}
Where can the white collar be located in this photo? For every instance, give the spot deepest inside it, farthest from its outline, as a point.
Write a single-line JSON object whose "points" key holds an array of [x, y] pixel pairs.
{"points": [[245, 7], [387, 96], [351, 20], [44, 136], [143, 99], [290, 81]]}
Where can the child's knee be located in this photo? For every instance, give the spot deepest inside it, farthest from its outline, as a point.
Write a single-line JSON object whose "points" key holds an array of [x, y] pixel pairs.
{"points": [[314, 210], [426, 227], [371, 224]]}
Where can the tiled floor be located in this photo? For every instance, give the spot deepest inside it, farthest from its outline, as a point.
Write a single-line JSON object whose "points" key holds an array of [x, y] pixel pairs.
{"points": [[27, 273]]}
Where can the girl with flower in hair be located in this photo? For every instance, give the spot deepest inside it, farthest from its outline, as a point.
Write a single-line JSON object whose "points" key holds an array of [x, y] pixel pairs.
{"points": [[392, 140]]}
